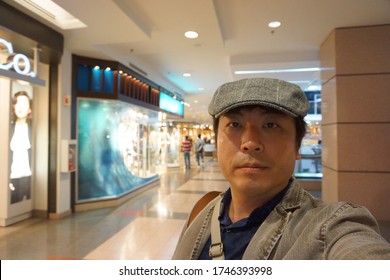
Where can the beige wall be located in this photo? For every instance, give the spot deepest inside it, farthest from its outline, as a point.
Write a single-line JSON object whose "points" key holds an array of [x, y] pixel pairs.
{"points": [[356, 117]]}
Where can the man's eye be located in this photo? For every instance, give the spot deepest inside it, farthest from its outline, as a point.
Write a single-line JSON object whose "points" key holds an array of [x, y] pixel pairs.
{"points": [[271, 125], [233, 124]]}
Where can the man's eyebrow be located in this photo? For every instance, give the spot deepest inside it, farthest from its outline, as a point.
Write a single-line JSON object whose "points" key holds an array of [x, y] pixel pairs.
{"points": [[265, 111], [232, 113]]}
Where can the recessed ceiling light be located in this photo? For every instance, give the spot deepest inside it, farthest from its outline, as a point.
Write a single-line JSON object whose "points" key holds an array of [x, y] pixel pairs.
{"points": [[274, 24], [191, 34], [187, 75]]}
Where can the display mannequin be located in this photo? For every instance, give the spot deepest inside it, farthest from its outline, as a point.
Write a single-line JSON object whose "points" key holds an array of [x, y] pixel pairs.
{"points": [[20, 177]]}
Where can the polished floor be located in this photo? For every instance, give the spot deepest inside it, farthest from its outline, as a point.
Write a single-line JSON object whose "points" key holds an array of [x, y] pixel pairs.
{"points": [[145, 227]]}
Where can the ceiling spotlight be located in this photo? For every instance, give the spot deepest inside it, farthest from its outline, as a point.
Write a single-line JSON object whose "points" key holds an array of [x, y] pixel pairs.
{"points": [[274, 24], [187, 75], [191, 34]]}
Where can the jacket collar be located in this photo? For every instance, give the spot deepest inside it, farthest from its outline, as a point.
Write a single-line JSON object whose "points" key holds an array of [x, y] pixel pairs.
{"points": [[293, 198]]}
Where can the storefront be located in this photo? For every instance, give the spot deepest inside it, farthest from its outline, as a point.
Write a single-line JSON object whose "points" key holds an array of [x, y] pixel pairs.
{"points": [[120, 133], [28, 79]]}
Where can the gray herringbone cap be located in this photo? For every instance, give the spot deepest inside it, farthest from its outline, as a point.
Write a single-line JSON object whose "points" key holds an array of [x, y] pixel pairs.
{"points": [[274, 93]]}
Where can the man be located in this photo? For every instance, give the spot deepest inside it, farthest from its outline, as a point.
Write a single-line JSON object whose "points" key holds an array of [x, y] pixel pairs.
{"points": [[186, 146], [199, 150], [265, 213]]}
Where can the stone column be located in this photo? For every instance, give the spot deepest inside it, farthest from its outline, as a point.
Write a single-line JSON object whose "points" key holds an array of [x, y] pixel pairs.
{"points": [[356, 117]]}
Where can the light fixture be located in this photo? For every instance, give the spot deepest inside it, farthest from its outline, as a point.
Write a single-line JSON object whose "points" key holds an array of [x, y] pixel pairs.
{"points": [[274, 24], [248, 72], [187, 75], [191, 34], [53, 13], [314, 87]]}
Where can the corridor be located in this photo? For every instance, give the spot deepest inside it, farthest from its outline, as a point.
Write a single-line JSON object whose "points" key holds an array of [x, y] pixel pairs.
{"points": [[146, 227]]}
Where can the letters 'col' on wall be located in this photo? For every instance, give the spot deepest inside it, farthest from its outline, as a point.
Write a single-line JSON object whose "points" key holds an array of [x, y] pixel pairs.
{"points": [[15, 61]]}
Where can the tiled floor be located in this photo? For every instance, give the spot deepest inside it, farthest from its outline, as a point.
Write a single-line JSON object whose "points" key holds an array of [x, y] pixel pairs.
{"points": [[145, 227]]}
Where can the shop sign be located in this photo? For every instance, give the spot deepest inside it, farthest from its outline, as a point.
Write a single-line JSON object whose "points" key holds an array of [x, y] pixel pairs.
{"points": [[17, 62], [170, 104]]}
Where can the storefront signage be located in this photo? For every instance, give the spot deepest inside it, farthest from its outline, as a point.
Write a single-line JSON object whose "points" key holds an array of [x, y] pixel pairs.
{"points": [[170, 104], [17, 62]]}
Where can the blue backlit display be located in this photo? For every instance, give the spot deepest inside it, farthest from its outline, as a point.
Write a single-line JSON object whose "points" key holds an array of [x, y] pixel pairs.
{"points": [[170, 104]]}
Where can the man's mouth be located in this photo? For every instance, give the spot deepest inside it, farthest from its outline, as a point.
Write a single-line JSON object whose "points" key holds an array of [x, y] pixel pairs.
{"points": [[252, 167]]}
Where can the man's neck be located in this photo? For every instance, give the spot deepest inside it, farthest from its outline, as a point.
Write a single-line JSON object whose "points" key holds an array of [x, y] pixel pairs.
{"points": [[242, 204], [241, 207]]}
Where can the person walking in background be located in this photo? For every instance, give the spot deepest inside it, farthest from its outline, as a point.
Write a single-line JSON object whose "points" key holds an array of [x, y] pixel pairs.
{"points": [[186, 146], [199, 150]]}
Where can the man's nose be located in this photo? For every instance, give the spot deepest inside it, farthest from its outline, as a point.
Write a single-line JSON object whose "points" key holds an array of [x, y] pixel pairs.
{"points": [[251, 140]]}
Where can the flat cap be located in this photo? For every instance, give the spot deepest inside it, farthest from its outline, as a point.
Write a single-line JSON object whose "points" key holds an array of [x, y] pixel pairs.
{"points": [[278, 94]]}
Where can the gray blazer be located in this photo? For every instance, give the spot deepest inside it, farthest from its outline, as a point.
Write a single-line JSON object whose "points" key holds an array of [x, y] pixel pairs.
{"points": [[300, 227]]}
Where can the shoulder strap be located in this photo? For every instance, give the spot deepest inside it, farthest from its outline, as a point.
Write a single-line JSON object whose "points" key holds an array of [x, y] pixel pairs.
{"points": [[202, 202], [216, 246]]}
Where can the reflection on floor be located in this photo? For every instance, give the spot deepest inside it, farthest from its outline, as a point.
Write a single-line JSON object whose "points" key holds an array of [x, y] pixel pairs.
{"points": [[145, 227]]}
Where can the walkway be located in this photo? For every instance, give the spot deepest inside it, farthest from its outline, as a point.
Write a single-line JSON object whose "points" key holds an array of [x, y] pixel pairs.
{"points": [[145, 227]]}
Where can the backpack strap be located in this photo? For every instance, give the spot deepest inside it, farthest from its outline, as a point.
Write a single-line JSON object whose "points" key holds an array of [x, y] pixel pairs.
{"points": [[202, 202]]}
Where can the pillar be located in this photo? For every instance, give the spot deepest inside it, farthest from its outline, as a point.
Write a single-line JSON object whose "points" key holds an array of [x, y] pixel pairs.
{"points": [[356, 117]]}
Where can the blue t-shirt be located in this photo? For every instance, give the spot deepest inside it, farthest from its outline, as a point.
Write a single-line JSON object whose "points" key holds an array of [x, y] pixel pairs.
{"points": [[236, 236]]}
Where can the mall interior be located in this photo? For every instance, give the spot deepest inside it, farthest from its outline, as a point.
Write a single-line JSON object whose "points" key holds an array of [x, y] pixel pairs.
{"points": [[104, 175]]}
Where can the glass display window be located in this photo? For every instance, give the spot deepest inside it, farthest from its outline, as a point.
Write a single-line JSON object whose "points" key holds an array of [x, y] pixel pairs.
{"points": [[118, 151], [310, 163], [173, 148]]}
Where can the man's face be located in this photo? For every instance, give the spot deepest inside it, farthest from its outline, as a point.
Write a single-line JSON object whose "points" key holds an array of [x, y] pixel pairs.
{"points": [[257, 150]]}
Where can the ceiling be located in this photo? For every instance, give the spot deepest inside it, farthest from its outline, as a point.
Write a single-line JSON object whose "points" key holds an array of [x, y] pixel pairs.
{"points": [[148, 36]]}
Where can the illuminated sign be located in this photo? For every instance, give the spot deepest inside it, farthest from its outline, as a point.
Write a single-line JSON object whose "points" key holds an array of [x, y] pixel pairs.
{"points": [[17, 62], [170, 104]]}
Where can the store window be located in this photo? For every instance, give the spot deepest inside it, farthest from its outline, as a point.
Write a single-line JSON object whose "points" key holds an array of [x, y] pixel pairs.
{"points": [[123, 139], [170, 145], [310, 164], [119, 148]]}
